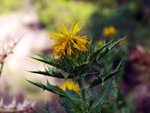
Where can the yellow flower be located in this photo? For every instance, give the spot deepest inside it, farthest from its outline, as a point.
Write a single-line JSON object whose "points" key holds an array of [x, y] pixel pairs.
{"points": [[66, 41], [71, 86], [108, 31], [112, 29]]}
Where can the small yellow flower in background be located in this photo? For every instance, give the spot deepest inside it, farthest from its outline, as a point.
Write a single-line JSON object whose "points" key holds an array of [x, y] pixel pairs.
{"points": [[112, 30], [71, 86], [108, 31], [66, 40]]}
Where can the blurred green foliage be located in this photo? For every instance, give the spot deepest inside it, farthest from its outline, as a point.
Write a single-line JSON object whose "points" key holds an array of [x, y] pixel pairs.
{"points": [[130, 18], [53, 12], [7, 6]]}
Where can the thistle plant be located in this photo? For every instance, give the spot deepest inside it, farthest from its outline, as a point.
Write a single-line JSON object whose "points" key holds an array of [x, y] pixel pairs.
{"points": [[73, 60], [108, 31]]}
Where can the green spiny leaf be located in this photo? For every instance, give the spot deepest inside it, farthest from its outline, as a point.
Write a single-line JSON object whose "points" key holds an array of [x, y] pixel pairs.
{"points": [[69, 61], [53, 74], [49, 87], [66, 105], [57, 65], [116, 43], [44, 57], [74, 96], [97, 55], [103, 53], [94, 54], [91, 103], [74, 105], [81, 68], [98, 80], [102, 96]]}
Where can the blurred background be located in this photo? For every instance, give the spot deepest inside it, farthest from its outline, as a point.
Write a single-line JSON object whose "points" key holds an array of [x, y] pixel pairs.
{"points": [[28, 23]]}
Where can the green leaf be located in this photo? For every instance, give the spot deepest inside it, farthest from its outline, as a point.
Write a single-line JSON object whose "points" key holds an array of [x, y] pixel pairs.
{"points": [[66, 105], [81, 69], [91, 102], [75, 107], [121, 100], [99, 80], [102, 97], [94, 54], [74, 100], [103, 94], [82, 57], [103, 75], [52, 73], [103, 54], [55, 74], [116, 43], [44, 57], [52, 63], [74, 96], [70, 62], [61, 64], [60, 92], [97, 55], [49, 87]]}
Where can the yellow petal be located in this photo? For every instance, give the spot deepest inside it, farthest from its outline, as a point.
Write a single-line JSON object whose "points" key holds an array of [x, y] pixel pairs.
{"points": [[106, 32], [77, 28], [81, 39], [64, 29], [56, 36], [72, 28], [63, 86], [62, 32], [69, 49], [82, 47], [112, 30], [75, 45]]}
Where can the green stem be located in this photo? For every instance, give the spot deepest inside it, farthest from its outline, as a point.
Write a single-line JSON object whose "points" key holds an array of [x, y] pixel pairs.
{"points": [[122, 110], [80, 82]]}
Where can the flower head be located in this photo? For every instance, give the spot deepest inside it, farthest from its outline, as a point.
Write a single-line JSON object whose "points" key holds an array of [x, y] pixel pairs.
{"points": [[108, 31], [70, 85], [67, 41]]}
